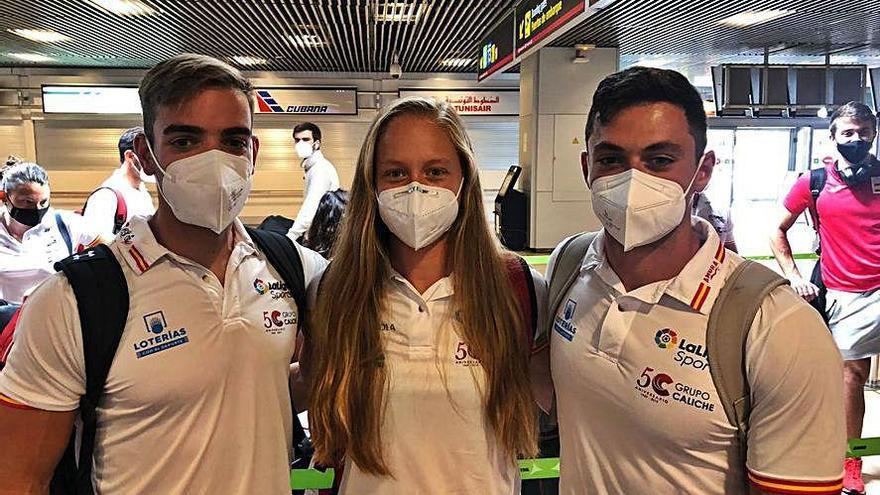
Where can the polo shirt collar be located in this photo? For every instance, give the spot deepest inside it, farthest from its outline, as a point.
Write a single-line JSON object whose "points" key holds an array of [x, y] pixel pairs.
{"points": [[696, 285], [439, 290], [142, 251]]}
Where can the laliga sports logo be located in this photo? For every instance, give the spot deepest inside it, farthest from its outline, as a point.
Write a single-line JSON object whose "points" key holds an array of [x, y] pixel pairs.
{"points": [[666, 338], [260, 287]]}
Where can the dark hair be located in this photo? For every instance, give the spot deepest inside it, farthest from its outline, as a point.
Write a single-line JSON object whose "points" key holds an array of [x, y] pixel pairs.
{"points": [[126, 141], [641, 85], [20, 174], [173, 81], [321, 236], [308, 126], [856, 111]]}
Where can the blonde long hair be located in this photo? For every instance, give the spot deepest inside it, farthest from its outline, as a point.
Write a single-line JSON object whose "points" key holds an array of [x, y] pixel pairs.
{"points": [[348, 378]]}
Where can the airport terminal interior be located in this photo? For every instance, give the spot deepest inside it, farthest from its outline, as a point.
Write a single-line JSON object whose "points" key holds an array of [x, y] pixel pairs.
{"points": [[520, 73]]}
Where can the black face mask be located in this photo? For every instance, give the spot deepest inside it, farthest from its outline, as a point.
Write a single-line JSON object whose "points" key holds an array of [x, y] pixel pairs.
{"points": [[28, 216], [855, 152]]}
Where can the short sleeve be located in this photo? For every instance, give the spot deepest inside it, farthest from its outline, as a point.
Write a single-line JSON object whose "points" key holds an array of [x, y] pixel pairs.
{"points": [[313, 263], [100, 212], [797, 434], [799, 197], [45, 369]]}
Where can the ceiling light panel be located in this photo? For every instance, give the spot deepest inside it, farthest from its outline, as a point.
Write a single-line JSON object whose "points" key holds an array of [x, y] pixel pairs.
{"points": [[753, 17], [398, 11], [124, 7], [40, 35], [248, 60], [31, 57]]}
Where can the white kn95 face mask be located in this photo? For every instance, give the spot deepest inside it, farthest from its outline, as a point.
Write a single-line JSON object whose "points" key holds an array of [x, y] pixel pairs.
{"points": [[418, 214]]}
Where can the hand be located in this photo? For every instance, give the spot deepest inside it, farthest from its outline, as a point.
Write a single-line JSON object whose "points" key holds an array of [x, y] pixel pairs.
{"points": [[804, 288]]}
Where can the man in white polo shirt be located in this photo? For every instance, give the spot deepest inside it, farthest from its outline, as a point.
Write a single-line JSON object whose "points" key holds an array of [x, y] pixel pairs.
{"points": [[196, 400], [638, 410]]}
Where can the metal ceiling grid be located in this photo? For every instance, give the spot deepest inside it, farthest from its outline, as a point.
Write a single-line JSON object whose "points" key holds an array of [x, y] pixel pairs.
{"points": [[691, 27], [291, 35]]}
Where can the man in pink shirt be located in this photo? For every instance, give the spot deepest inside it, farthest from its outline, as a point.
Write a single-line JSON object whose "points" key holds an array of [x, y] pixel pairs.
{"points": [[847, 217]]}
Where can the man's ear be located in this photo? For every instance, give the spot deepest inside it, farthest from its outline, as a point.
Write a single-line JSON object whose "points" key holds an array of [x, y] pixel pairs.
{"points": [[255, 141], [585, 167], [148, 165], [317, 144], [704, 172]]}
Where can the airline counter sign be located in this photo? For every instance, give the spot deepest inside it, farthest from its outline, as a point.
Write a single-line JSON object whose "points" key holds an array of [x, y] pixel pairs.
{"points": [[310, 101], [496, 49], [473, 102], [538, 19]]}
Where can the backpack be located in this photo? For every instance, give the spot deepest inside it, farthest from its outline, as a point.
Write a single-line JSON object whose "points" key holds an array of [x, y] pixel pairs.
{"points": [[102, 298], [727, 331], [818, 176], [121, 214], [276, 223]]}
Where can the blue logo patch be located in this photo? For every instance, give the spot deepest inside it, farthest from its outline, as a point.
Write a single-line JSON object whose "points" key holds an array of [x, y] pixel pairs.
{"points": [[563, 325], [161, 337]]}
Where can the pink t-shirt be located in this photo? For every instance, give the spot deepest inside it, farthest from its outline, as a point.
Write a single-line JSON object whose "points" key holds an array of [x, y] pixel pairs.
{"points": [[849, 230]]}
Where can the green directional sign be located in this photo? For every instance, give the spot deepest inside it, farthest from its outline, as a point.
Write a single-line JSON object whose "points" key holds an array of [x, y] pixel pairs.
{"points": [[539, 469], [311, 479]]}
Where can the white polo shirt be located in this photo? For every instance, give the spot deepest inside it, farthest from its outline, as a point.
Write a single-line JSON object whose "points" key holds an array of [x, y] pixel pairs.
{"points": [[434, 434], [197, 398], [26, 263], [638, 410], [100, 210]]}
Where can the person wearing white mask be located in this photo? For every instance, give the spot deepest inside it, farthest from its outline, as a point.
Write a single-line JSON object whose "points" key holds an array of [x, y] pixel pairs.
{"points": [[419, 343], [321, 176], [197, 398], [638, 406], [123, 195]]}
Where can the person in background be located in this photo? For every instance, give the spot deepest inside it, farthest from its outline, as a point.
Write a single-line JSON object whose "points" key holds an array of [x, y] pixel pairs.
{"points": [[639, 410], [33, 235], [321, 176], [846, 215], [321, 236], [720, 219], [123, 195], [419, 345]]}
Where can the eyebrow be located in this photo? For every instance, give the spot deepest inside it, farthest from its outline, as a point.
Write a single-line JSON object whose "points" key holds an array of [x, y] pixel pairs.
{"points": [[664, 146], [191, 129]]}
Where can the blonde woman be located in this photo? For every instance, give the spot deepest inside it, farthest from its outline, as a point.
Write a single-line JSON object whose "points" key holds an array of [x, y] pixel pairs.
{"points": [[420, 338]]}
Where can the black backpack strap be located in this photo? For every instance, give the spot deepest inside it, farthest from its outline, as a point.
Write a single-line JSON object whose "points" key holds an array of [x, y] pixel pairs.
{"points": [[284, 257], [65, 233], [102, 300], [818, 176]]}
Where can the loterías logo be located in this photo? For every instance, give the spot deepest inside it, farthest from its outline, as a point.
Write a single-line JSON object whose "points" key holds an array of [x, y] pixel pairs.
{"points": [[666, 338]]}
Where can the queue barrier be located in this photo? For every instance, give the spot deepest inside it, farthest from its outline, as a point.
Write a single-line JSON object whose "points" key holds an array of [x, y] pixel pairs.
{"points": [[538, 469]]}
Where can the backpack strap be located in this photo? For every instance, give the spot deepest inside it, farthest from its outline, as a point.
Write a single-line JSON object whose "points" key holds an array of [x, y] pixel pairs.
{"points": [[284, 257], [65, 232], [565, 271], [102, 299], [524, 286], [727, 332], [818, 177]]}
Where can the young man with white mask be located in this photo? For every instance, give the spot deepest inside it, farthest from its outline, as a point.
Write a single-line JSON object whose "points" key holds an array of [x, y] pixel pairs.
{"points": [[321, 176], [196, 399], [123, 195], [638, 409], [844, 202]]}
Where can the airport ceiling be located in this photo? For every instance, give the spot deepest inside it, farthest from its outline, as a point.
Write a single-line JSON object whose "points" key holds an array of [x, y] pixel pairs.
{"points": [[428, 35]]}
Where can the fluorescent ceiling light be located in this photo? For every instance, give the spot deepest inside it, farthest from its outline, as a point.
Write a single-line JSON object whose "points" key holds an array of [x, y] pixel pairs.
{"points": [[246, 60], [40, 35], [753, 17], [398, 11], [457, 62], [31, 57], [124, 7], [306, 40]]}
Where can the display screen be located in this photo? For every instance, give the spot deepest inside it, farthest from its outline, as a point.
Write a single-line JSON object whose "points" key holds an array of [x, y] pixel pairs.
{"points": [[496, 49], [537, 19], [509, 180], [91, 99]]}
